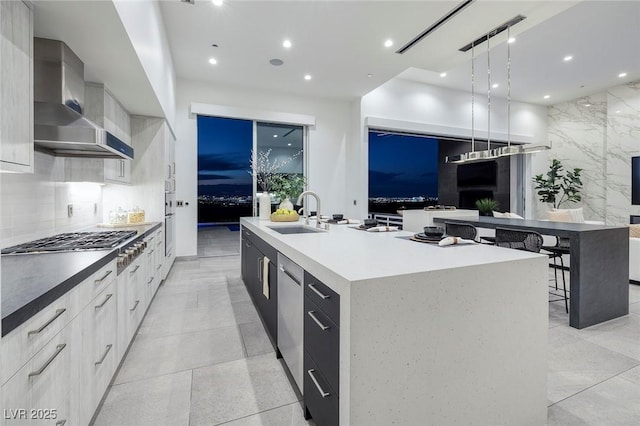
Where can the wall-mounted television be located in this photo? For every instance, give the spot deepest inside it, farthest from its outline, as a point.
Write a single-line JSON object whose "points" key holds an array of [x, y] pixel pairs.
{"points": [[635, 181], [483, 173]]}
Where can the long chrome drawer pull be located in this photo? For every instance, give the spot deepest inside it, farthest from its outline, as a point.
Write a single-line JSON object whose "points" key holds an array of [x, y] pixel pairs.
{"points": [[134, 306], [106, 299], [315, 382], [151, 252], [290, 275], [247, 244], [159, 242], [61, 422], [150, 280], [99, 280], [46, 324], [38, 372], [313, 317], [159, 266], [103, 355], [135, 270], [316, 291]]}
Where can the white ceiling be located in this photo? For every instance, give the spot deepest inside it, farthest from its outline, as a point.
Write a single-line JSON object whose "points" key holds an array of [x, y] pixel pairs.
{"points": [[338, 42]]}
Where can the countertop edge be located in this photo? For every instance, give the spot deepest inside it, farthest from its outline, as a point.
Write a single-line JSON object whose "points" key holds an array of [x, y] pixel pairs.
{"points": [[18, 317], [23, 314]]}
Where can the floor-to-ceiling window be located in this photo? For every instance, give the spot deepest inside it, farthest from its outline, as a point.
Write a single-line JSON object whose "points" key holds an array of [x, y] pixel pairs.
{"points": [[403, 171], [225, 187], [285, 145]]}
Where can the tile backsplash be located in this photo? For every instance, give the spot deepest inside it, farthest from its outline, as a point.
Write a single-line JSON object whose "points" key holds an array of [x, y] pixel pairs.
{"points": [[35, 205]]}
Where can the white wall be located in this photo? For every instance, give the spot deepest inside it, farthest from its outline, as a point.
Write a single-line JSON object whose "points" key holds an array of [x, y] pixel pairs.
{"points": [[419, 107], [601, 139], [145, 27], [35, 205], [328, 141]]}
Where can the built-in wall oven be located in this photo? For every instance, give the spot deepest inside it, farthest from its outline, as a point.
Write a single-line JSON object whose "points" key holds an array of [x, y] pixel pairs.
{"points": [[169, 217]]}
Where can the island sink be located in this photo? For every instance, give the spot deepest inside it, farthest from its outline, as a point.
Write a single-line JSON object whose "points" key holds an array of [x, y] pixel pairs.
{"points": [[297, 229]]}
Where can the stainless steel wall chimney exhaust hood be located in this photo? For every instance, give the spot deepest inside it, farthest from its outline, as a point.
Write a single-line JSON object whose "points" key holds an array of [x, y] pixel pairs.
{"points": [[60, 127]]}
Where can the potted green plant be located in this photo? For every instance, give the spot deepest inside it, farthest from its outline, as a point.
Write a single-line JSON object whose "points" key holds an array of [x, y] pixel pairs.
{"points": [[287, 186], [558, 186], [486, 206]]}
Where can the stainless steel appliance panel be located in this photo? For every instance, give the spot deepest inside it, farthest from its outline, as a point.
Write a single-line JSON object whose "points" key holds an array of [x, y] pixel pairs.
{"points": [[290, 317]]}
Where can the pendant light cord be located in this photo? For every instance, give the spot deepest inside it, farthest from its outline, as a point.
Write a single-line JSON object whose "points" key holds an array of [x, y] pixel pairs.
{"points": [[488, 96]]}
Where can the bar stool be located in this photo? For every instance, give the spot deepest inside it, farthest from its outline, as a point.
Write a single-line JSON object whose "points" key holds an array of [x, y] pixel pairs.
{"points": [[520, 240], [555, 252], [468, 232]]}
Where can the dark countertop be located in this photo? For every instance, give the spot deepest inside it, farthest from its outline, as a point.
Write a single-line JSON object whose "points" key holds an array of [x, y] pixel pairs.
{"points": [[560, 229], [31, 282]]}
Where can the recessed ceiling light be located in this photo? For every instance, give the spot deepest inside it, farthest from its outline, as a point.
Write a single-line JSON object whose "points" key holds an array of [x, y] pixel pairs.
{"points": [[618, 112], [287, 44], [511, 40], [547, 96], [307, 77], [275, 136], [213, 61], [567, 58], [288, 144], [369, 75], [443, 74], [217, 2], [622, 74], [388, 43], [276, 62], [587, 105], [495, 85]]}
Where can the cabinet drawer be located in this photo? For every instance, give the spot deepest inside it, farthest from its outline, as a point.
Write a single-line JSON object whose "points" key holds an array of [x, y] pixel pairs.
{"points": [[41, 388], [30, 337], [322, 342], [92, 286], [326, 299], [319, 397]]}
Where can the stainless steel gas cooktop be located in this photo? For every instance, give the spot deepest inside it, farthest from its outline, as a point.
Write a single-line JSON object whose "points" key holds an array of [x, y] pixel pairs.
{"points": [[72, 241]]}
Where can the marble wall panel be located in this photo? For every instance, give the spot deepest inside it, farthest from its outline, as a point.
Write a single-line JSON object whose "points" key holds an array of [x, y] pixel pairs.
{"points": [[599, 133]]}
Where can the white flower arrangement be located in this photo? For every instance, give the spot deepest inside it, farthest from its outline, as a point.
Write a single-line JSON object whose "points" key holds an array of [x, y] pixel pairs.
{"points": [[264, 170]]}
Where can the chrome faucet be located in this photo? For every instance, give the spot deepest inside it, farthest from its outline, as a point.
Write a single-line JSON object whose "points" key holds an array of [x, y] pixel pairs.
{"points": [[306, 210]]}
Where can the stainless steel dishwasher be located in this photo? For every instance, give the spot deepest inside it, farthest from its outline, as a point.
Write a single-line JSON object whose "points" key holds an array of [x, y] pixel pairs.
{"points": [[290, 316]]}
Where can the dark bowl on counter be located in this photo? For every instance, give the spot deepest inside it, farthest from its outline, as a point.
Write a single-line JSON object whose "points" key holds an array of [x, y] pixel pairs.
{"points": [[433, 231], [338, 216]]}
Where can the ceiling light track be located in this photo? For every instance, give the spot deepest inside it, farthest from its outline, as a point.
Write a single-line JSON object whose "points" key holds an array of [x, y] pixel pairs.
{"points": [[494, 32], [440, 22]]}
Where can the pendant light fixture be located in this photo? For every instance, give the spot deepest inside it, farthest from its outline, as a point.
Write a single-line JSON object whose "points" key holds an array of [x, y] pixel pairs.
{"points": [[508, 150]]}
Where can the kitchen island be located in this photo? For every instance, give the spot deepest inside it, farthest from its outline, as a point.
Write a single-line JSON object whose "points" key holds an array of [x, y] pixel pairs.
{"points": [[427, 334]]}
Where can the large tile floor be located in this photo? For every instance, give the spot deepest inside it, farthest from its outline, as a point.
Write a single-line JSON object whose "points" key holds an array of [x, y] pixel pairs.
{"points": [[202, 357]]}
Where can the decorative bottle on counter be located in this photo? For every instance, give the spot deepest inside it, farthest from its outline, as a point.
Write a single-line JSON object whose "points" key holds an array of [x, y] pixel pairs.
{"points": [[264, 205], [286, 204]]}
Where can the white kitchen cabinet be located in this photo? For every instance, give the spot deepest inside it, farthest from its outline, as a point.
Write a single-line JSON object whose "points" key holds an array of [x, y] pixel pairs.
{"points": [[131, 303], [40, 392], [96, 357], [97, 170], [21, 344], [16, 90]]}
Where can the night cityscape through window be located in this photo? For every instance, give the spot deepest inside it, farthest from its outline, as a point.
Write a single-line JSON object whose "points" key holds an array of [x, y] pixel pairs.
{"points": [[403, 171], [224, 186]]}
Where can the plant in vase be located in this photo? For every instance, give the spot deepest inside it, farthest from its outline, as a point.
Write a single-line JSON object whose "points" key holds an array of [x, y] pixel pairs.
{"points": [[287, 186], [559, 187], [486, 206], [264, 170]]}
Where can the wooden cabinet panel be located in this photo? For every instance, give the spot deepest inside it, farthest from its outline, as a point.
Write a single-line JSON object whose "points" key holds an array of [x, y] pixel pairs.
{"points": [[16, 90]]}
